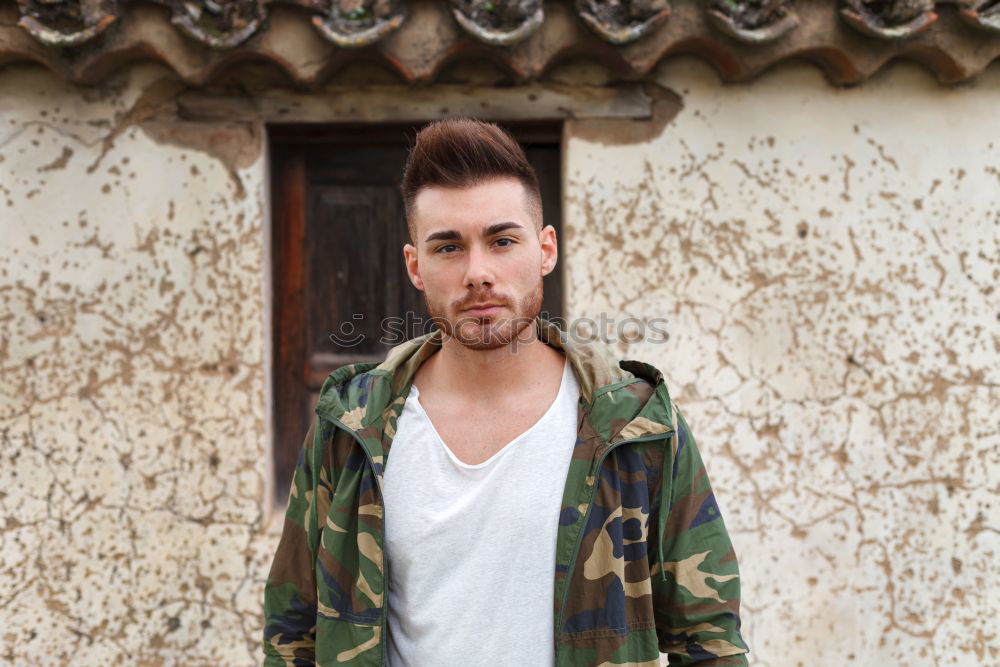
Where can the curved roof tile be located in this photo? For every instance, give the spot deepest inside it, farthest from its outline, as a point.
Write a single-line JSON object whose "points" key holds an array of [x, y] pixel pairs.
{"points": [[83, 40]]}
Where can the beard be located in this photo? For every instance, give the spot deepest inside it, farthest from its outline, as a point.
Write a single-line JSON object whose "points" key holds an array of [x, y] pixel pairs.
{"points": [[488, 332]]}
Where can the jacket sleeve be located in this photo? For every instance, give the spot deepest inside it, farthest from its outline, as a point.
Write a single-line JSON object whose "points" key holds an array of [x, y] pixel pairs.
{"points": [[290, 591], [696, 585]]}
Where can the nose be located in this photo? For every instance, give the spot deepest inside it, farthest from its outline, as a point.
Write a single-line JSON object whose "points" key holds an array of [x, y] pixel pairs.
{"points": [[479, 271]]}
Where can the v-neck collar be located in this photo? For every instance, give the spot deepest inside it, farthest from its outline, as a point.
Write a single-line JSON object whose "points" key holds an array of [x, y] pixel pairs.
{"points": [[563, 385]]}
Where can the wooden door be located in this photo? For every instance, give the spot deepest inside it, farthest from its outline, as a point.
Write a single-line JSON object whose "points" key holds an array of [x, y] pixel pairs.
{"points": [[338, 232]]}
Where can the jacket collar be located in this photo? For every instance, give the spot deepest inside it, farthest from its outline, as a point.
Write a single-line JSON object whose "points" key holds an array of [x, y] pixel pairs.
{"points": [[365, 394], [594, 370]]}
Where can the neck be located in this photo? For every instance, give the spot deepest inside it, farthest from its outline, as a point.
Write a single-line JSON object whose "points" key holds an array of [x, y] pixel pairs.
{"points": [[481, 374]]}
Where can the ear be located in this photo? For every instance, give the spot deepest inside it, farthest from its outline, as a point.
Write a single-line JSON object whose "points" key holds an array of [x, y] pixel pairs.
{"points": [[550, 249], [412, 266]]}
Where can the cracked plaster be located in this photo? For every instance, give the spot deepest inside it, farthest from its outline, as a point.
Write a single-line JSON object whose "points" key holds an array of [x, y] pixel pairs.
{"points": [[827, 262], [132, 398]]}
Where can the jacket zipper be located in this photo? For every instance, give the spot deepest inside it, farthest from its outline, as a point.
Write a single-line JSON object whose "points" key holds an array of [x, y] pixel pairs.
{"points": [[385, 563], [586, 517]]}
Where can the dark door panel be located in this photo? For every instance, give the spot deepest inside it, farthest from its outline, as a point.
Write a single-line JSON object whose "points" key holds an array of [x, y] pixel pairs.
{"points": [[338, 232]]}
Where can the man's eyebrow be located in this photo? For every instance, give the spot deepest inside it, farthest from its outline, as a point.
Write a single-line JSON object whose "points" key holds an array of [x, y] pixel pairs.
{"points": [[452, 235], [449, 235], [500, 227]]}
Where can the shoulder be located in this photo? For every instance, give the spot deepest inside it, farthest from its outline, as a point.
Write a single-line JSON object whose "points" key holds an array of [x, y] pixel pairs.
{"points": [[343, 378]]}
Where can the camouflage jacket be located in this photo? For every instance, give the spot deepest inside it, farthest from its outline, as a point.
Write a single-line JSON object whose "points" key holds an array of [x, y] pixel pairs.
{"points": [[643, 560]]}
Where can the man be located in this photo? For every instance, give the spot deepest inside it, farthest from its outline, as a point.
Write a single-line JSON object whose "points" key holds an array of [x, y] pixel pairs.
{"points": [[494, 492]]}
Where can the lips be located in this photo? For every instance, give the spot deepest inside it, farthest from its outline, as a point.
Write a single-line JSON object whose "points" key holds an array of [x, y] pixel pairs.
{"points": [[484, 309]]}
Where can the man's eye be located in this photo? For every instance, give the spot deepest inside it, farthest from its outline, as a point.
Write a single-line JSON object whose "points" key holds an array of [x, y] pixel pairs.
{"points": [[444, 247], [509, 242]]}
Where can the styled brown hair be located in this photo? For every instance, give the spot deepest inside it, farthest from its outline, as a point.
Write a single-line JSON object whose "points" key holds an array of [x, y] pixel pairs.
{"points": [[462, 152]]}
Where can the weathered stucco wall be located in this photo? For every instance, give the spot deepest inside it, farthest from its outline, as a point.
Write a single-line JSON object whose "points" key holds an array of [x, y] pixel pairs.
{"points": [[132, 381], [825, 259], [828, 261]]}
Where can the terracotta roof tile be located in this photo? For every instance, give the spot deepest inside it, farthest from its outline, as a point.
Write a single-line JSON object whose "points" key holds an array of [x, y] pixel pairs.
{"points": [[83, 40]]}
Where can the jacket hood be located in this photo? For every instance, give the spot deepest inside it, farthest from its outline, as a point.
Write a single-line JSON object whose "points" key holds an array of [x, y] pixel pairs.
{"points": [[627, 399]]}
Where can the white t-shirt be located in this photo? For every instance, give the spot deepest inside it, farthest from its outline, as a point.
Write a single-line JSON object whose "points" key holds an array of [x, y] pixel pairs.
{"points": [[471, 548]]}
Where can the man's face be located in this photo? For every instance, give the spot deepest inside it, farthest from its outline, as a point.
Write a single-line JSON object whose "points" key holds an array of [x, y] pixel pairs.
{"points": [[480, 246]]}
